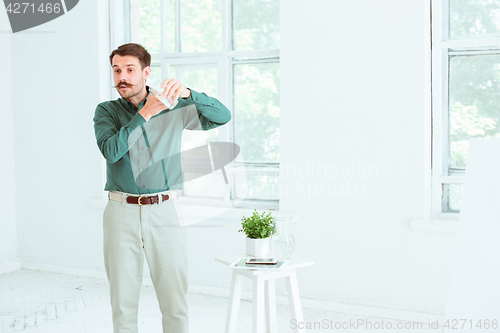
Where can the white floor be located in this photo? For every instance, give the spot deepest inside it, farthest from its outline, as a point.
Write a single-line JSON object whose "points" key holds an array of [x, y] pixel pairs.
{"points": [[36, 301]]}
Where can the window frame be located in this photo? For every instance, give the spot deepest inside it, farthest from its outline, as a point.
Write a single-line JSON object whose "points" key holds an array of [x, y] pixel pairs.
{"points": [[224, 61], [443, 49]]}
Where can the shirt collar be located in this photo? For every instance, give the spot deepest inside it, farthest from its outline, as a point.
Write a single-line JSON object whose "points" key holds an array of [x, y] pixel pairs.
{"points": [[141, 104]]}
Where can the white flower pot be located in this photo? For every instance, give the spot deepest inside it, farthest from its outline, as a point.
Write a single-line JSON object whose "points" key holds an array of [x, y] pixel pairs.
{"points": [[258, 247]]}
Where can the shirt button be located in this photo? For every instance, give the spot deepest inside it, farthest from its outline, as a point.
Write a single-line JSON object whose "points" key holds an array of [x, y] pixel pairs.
{"points": [[196, 98], [142, 148], [212, 103], [143, 167], [143, 186]]}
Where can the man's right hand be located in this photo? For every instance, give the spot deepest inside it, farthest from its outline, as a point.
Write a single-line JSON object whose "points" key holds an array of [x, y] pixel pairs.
{"points": [[152, 107]]}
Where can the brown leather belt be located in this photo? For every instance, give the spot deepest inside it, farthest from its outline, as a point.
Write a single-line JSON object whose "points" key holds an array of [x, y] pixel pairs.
{"points": [[145, 200]]}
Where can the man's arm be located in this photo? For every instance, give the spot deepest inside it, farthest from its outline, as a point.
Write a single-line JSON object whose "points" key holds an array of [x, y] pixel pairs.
{"points": [[113, 142], [199, 111], [203, 112]]}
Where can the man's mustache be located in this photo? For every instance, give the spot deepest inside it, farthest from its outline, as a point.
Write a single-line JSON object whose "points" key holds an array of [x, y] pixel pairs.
{"points": [[124, 84]]}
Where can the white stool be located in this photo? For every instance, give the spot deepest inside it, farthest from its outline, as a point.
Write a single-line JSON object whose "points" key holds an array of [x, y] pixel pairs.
{"points": [[264, 295]]}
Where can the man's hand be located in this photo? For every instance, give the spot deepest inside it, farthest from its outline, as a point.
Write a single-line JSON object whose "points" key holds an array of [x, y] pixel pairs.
{"points": [[152, 107], [175, 89]]}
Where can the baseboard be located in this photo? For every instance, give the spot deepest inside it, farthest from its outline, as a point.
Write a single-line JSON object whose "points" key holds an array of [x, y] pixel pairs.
{"points": [[372, 311], [63, 269], [10, 266], [76, 271], [348, 309]]}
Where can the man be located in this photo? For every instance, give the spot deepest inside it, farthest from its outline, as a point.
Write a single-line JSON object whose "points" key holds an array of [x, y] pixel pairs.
{"points": [[142, 216]]}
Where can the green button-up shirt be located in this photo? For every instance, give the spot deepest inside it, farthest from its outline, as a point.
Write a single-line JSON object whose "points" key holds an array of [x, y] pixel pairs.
{"points": [[131, 145]]}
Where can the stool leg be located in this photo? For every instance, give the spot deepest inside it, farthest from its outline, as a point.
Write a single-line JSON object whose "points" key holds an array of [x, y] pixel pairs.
{"points": [[234, 302], [258, 304], [294, 299], [271, 306]]}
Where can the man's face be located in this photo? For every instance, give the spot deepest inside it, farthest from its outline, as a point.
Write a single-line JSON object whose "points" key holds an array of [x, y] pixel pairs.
{"points": [[128, 76]]}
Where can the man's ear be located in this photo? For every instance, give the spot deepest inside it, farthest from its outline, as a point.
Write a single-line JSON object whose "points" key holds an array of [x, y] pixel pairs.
{"points": [[147, 72]]}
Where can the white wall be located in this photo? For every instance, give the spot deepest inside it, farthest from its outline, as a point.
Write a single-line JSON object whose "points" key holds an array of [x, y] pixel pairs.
{"points": [[359, 71], [56, 84], [8, 232]]}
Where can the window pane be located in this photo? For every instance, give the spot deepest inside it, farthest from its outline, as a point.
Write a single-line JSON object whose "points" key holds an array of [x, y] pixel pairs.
{"points": [[213, 185], [256, 24], [200, 80], [474, 98], [150, 25], [201, 25], [172, 72], [257, 111], [474, 18], [452, 198], [256, 186], [170, 25], [155, 75]]}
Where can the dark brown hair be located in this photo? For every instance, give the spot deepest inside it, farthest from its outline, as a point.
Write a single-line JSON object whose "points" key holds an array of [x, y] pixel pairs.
{"points": [[135, 50]]}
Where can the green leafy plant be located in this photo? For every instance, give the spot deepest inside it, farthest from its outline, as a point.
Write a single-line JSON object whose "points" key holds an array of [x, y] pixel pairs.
{"points": [[257, 226]]}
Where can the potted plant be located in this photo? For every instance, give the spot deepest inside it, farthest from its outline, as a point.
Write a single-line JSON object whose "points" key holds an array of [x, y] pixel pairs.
{"points": [[258, 229]]}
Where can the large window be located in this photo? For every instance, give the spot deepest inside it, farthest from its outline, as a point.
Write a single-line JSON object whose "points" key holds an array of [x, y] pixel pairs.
{"points": [[465, 90], [228, 49]]}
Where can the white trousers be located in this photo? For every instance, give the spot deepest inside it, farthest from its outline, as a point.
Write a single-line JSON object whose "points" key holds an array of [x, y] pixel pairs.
{"points": [[130, 231]]}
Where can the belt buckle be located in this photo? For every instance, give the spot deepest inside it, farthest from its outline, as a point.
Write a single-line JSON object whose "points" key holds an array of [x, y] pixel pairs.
{"points": [[139, 200]]}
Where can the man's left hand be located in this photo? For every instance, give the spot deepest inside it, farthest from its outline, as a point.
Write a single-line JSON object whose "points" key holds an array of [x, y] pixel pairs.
{"points": [[175, 89]]}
